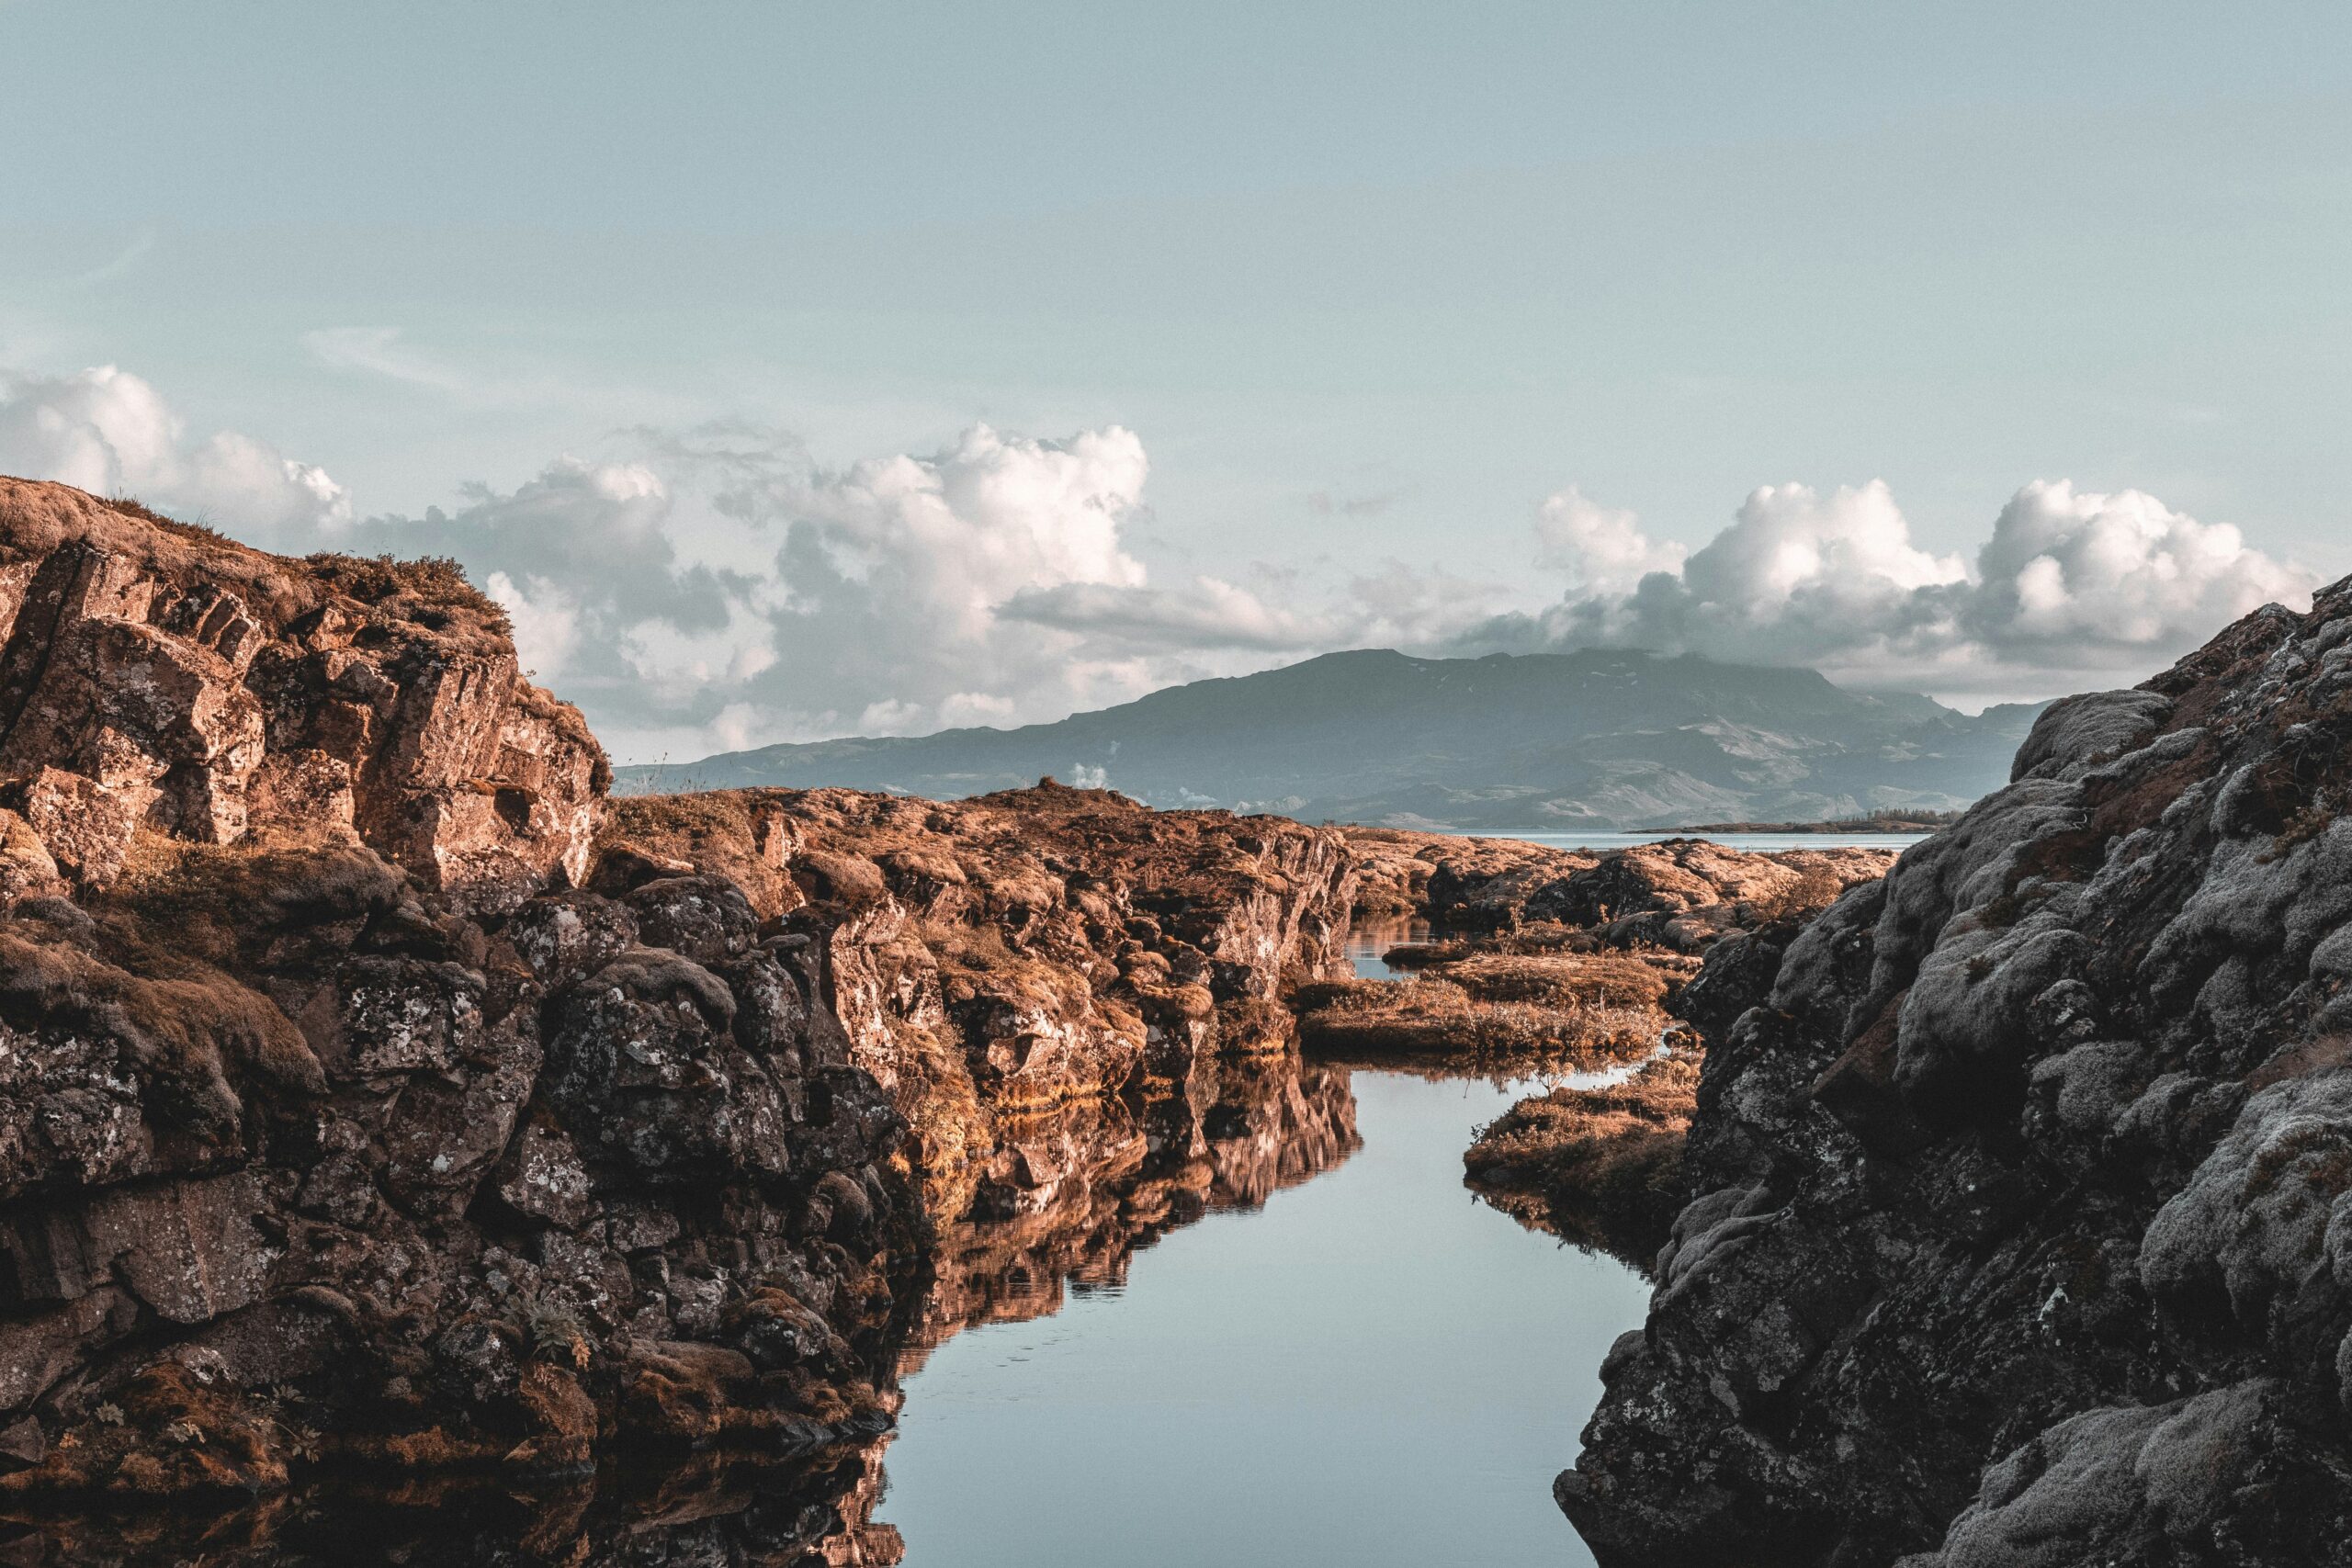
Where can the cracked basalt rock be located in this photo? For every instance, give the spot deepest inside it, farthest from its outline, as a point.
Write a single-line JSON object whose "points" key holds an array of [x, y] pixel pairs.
{"points": [[377, 1100], [342, 1123], [2019, 1198], [155, 676]]}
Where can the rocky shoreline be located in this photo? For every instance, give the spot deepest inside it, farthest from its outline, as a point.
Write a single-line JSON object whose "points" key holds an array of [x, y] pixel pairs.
{"points": [[384, 1110], [379, 1100], [2019, 1194]]}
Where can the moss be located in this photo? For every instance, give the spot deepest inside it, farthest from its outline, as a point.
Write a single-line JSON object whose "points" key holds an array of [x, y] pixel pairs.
{"points": [[1600, 1167], [216, 902], [1560, 980], [433, 591], [1437, 1017], [196, 532]]}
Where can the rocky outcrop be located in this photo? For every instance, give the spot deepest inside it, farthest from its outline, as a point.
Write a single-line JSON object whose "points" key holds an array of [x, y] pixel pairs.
{"points": [[156, 676], [1597, 1165], [304, 1164], [2020, 1195], [370, 1103], [1600, 1163], [1679, 894], [1023, 970]]}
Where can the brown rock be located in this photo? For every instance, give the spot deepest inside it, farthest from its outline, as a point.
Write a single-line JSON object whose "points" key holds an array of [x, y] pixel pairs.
{"points": [[160, 676]]}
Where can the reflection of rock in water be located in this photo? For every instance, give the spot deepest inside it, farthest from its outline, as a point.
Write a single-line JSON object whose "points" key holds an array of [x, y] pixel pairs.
{"points": [[707, 1513], [1067, 1198], [1073, 1200]]}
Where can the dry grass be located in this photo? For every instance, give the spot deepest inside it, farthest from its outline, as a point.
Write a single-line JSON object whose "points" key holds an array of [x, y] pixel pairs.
{"points": [[718, 833], [1563, 980], [1380, 1019], [1602, 1168], [430, 591], [145, 514], [218, 904]]}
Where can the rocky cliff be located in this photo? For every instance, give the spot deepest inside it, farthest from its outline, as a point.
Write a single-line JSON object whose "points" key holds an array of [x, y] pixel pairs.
{"points": [[1024, 972], [376, 1100], [2022, 1233], [156, 676]]}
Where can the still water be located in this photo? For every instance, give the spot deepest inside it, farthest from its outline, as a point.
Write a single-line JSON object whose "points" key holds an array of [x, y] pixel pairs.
{"points": [[1372, 1368], [1759, 843]]}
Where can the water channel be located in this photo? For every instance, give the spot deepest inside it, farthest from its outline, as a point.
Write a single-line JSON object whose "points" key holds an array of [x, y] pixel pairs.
{"points": [[1371, 1367]]}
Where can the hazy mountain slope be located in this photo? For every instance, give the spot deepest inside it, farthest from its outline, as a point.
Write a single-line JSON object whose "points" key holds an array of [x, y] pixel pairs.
{"points": [[1598, 738]]}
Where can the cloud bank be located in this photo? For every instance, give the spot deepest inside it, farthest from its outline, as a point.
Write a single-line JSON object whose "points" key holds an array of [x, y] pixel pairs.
{"points": [[109, 433], [719, 588], [2071, 589]]}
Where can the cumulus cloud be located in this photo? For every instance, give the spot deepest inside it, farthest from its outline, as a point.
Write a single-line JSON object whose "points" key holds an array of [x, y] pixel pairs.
{"points": [[1605, 549], [109, 433], [2071, 588], [721, 588]]}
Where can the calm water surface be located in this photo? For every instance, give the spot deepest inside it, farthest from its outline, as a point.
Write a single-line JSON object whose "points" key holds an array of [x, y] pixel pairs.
{"points": [[1372, 1370], [1760, 843]]}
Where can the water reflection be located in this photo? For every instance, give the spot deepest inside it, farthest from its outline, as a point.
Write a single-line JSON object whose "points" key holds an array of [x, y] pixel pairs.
{"points": [[1069, 1210], [1372, 1368], [712, 1512], [1353, 1362], [1370, 941], [1064, 1208]]}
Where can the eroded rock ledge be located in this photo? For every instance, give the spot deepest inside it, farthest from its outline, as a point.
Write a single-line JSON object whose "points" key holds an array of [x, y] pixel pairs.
{"points": [[377, 1099], [2022, 1218]]}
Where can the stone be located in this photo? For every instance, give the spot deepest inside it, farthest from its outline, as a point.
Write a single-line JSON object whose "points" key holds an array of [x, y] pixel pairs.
{"points": [[85, 827], [2019, 1219]]}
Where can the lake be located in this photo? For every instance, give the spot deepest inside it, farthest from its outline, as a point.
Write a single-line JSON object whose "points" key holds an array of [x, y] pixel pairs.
{"points": [[1372, 1369], [1760, 843]]}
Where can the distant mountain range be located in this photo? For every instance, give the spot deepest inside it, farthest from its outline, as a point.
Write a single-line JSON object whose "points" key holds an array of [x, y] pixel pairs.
{"points": [[1594, 739]]}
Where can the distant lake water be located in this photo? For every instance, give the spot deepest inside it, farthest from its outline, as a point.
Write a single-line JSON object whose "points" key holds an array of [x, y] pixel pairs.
{"points": [[1759, 843], [1374, 1370]]}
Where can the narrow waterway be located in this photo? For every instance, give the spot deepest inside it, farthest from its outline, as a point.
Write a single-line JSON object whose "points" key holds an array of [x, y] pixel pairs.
{"points": [[1372, 1368]]}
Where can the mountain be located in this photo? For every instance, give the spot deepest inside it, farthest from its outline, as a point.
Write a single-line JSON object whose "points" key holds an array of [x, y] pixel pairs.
{"points": [[1589, 740]]}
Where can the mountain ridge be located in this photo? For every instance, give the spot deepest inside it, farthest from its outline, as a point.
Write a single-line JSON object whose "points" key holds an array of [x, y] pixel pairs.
{"points": [[1591, 738]]}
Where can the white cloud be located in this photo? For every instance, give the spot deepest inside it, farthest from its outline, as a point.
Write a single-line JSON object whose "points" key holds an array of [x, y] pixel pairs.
{"points": [[377, 351], [2070, 588], [546, 619], [721, 589], [721, 585], [1605, 549], [109, 433]]}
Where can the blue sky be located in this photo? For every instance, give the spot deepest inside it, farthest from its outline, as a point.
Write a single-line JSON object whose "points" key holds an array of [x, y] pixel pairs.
{"points": [[1382, 296]]}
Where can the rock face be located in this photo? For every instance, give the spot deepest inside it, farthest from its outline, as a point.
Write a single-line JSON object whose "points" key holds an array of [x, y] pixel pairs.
{"points": [[340, 1123], [1024, 973], [2021, 1225], [368, 1098], [155, 676]]}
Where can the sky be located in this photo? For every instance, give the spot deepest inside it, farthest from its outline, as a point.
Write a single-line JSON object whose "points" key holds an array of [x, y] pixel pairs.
{"points": [[796, 370]]}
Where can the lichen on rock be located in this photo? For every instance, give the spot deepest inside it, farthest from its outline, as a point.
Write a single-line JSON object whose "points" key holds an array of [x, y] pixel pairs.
{"points": [[2016, 1201]]}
